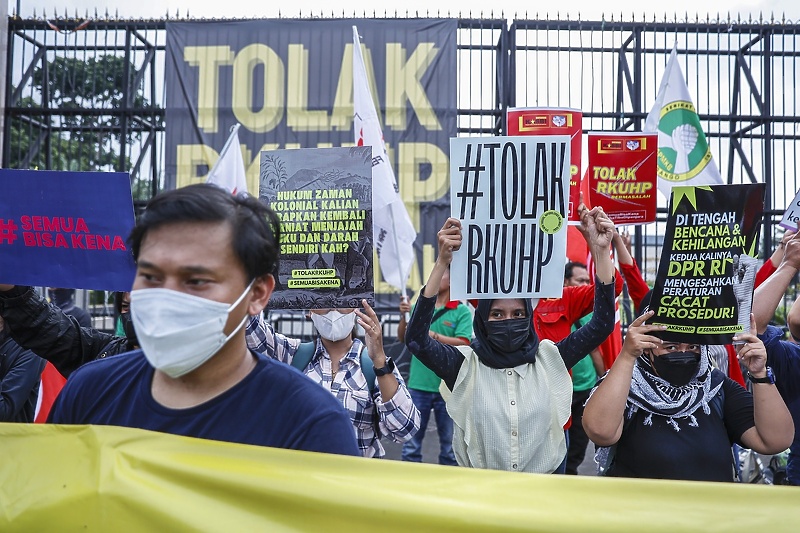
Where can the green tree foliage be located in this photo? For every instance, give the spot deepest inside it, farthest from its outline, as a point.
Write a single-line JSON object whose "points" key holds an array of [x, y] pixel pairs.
{"points": [[81, 89]]}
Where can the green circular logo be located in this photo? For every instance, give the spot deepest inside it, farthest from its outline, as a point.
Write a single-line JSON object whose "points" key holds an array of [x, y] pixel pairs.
{"points": [[683, 151], [551, 221]]}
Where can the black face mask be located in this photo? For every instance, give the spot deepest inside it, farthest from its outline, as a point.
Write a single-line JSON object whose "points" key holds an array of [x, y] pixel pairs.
{"points": [[508, 335], [678, 368], [127, 327]]}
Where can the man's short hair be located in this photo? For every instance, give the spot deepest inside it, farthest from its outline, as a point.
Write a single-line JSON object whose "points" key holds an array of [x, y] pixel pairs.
{"points": [[570, 267], [255, 227]]}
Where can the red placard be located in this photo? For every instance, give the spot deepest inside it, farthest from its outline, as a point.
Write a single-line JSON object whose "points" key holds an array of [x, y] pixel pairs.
{"points": [[622, 175], [553, 121]]}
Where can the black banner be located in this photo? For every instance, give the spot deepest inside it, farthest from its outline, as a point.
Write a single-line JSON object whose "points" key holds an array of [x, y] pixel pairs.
{"points": [[704, 288], [290, 84]]}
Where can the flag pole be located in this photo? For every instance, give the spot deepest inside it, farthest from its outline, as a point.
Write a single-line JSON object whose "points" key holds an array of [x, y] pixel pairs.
{"points": [[403, 275]]}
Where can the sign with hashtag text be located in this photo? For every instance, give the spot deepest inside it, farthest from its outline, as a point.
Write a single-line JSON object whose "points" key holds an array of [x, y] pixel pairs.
{"points": [[66, 229], [512, 197]]}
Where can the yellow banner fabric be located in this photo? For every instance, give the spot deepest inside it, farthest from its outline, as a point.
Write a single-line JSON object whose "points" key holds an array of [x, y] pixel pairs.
{"points": [[92, 478]]}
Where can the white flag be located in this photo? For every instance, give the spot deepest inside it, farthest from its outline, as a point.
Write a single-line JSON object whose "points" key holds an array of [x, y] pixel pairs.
{"points": [[394, 234], [228, 172], [684, 157]]}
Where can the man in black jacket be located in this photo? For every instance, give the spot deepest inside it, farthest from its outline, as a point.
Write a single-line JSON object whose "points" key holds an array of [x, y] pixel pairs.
{"points": [[50, 333], [20, 371]]}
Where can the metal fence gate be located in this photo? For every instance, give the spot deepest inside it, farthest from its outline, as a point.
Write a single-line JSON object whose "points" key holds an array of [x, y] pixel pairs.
{"points": [[89, 94]]}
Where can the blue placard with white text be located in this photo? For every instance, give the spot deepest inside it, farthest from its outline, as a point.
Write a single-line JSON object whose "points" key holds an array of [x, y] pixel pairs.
{"points": [[66, 229]]}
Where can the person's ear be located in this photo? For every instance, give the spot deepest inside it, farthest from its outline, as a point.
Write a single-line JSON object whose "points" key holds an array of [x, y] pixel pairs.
{"points": [[261, 292]]}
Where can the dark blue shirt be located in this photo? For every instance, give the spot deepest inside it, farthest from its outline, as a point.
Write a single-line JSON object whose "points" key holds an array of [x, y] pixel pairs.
{"points": [[784, 359], [274, 405]]}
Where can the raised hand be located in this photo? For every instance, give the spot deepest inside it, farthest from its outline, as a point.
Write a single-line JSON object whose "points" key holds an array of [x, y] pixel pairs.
{"points": [[449, 240], [598, 227], [373, 336], [752, 353], [792, 254], [639, 339]]}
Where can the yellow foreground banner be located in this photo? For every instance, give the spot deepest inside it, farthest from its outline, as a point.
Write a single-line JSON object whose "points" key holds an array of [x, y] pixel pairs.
{"points": [[91, 478]]}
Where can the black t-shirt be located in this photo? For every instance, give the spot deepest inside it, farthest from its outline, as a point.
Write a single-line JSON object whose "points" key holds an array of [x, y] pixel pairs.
{"points": [[701, 453]]}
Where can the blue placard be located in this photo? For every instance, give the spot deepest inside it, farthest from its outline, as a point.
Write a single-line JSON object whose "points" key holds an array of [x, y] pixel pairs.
{"points": [[66, 229]]}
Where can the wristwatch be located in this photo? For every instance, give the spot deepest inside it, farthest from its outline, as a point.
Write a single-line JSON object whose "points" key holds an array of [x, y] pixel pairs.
{"points": [[388, 369], [769, 378]]}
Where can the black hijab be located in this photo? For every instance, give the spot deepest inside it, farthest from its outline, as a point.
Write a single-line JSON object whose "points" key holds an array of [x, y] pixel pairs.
{"points": [[488, 354]]}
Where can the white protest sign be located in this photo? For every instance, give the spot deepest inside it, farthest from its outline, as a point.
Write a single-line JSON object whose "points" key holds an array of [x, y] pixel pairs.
{"points": [[511, 195], [791, 216]]}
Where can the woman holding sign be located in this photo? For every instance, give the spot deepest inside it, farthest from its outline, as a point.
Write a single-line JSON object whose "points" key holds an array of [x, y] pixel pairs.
{"points": [[360, 374], [509, 393], [663, 412]]}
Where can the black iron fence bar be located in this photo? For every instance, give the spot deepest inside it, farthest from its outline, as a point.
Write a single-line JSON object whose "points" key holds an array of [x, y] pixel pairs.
{"points": [[722, 28], [655, 51], [28, 74], [71, 112]]}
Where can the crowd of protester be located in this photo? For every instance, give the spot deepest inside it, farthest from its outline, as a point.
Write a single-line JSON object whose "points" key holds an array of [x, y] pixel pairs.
{"points": [[514, 384]]}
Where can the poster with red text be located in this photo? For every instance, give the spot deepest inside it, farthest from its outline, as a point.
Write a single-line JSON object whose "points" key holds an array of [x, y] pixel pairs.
{"points": [[66, 229], [622, 175], [554, 121]]}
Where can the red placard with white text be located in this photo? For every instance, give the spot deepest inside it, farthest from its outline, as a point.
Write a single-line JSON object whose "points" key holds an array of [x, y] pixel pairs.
{"points": [[622, 175], [553, 121]]}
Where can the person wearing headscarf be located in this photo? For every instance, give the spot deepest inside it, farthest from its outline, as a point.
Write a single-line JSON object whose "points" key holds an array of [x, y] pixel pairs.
{"points": [[509, 393], [663, 412]]}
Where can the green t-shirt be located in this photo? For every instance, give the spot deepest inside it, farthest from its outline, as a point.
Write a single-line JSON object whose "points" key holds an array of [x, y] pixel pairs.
{"points": [[452, 323], [584, 376]]}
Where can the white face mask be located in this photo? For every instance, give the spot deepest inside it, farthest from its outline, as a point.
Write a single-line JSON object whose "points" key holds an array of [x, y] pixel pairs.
{"points": [[333, 325], [179, 332]]}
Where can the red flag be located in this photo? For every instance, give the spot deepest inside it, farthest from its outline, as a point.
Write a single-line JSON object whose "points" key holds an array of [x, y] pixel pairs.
{"points": [[51, 384]]}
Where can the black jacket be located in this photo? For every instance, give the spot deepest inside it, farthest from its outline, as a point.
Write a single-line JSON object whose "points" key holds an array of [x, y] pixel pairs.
{"points": [[20, 371], [44, 329]]}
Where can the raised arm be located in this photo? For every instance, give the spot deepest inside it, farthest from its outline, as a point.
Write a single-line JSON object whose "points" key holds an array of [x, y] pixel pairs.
{"points": [[444, 360], [769, 267], [51, 334], [768, 296], [774, 429], [589, 336], [637, 286], [600, 230], [262, 338], [405, 307]]}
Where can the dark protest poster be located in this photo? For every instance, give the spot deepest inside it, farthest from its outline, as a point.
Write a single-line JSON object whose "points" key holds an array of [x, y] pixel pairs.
{"points": [[511, 195], [323, 197], [704, 288]]}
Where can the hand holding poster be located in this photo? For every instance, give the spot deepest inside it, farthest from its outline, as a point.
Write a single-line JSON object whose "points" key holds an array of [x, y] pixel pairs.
{"points": [[622, 175], [791, 216], [554, 121], [704, 287], [324, 200], [66, 229], [510, 194]]}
